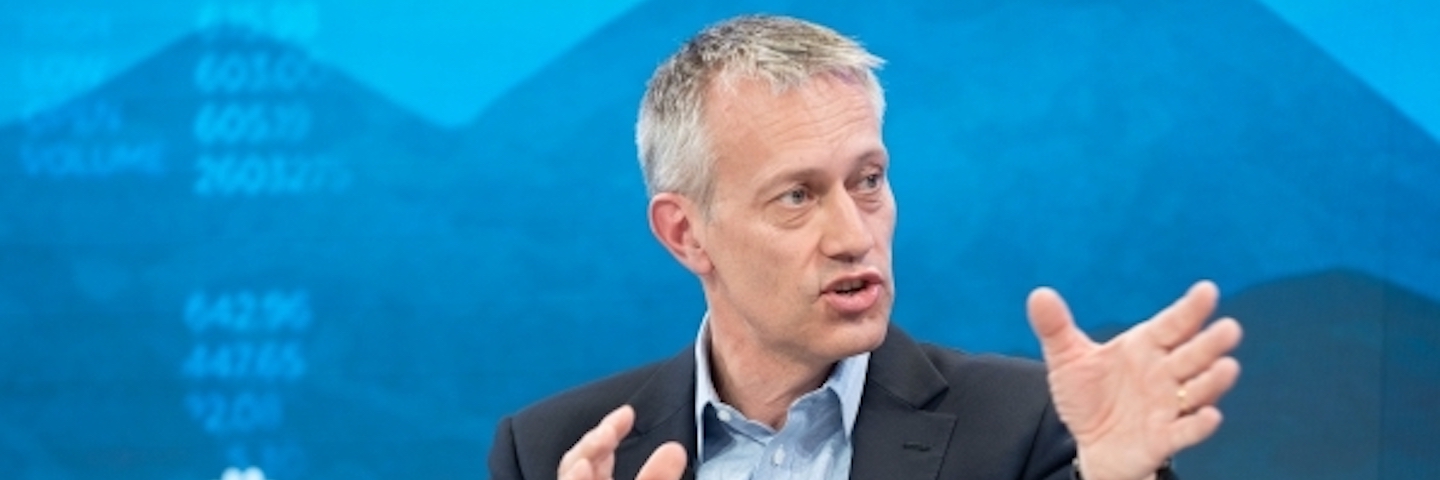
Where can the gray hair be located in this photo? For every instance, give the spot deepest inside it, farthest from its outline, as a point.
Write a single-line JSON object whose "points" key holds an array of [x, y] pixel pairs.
{"points": [[674, 148]]}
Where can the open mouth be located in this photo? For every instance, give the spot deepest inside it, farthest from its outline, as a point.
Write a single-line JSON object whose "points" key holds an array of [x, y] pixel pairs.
{"points": [[854, 295]]}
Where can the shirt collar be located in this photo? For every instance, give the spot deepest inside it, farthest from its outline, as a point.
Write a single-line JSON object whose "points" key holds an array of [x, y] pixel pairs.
{"points": [[847, 380]]}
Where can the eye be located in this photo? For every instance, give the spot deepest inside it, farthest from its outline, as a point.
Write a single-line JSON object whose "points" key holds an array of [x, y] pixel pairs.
{"points": [[871, 181], [795, 196]]}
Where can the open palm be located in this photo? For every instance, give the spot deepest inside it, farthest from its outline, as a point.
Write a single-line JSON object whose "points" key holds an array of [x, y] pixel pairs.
{"points": [[1135, 401]]}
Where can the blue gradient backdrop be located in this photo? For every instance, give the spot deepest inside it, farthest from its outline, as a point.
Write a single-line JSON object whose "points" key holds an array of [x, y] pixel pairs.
{"points": [[339, 240]]}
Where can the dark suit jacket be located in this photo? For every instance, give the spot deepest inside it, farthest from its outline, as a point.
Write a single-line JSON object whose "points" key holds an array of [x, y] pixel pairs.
{"points": [[926, 413]]}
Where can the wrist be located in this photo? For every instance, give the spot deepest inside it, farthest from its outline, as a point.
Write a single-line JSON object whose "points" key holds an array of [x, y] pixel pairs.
{"points": [[1162, 473]]}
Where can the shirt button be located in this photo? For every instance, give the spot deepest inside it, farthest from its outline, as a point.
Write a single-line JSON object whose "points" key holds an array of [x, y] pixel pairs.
{"points": [[724, 415], [779, 456]]}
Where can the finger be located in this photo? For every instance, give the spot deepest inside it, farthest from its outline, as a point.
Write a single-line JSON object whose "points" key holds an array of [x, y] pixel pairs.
{"points": [[1179, 321], [1213, 383], [1192, 429], [598, 445], [1059, 338], [667, 463], [1198, 354], [580, 470]]}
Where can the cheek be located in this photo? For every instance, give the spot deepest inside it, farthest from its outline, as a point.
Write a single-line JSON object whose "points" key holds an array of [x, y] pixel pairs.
{"points": [[770, 264], [882, 226], [749, 257], [777, 269]]}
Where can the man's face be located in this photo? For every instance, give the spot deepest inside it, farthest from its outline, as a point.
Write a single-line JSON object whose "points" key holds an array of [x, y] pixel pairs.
{"points": [[801, 220]]}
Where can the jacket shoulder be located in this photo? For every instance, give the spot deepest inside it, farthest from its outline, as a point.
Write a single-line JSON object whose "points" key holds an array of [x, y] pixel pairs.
{"points": [[530, 443], [963, 369], [575, 411]]}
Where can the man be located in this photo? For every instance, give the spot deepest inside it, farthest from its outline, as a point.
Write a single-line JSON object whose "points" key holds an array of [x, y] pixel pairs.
{"points": [[761, 148]]}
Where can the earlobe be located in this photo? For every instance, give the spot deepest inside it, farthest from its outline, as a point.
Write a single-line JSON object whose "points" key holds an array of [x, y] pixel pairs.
{"points": [[673, 221]]}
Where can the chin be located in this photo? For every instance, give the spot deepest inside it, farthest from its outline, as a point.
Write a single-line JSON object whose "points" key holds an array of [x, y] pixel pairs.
{"points": [[863, 334], [877, 328]]}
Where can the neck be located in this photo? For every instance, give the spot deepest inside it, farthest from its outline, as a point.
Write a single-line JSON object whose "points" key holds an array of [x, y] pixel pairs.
{"points": [[762, 384]]}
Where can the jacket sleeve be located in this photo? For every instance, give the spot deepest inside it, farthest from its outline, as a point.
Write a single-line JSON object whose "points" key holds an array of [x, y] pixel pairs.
{"points": [[504, 461], [1052, 453]]}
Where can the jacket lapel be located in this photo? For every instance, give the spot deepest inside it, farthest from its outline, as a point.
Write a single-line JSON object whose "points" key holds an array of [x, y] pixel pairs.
{"points": [[896, 435], [664, 412]]}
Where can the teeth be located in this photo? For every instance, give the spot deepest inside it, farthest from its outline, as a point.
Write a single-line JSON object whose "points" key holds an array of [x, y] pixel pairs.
{"points": [[850, 285]]}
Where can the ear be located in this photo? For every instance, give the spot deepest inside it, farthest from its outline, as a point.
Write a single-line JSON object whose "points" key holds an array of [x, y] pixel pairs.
{"points": [[674, 220]]}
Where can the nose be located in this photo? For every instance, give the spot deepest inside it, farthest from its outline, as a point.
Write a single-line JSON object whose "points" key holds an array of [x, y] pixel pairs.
{"points": [[847, 236]]}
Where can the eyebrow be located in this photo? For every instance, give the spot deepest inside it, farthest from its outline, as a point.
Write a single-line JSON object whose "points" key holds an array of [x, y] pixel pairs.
{"points": [[872, 156]]}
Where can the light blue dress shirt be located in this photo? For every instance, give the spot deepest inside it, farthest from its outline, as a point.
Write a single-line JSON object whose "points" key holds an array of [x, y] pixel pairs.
{"points": [[813, 444]]}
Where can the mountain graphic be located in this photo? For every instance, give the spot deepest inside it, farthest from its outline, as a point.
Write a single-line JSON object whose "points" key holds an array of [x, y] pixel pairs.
{"points": [[1339, 382]]}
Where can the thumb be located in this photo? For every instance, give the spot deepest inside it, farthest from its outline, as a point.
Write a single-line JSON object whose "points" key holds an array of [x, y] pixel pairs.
{"points": [[1060, 339], [667, 463]]}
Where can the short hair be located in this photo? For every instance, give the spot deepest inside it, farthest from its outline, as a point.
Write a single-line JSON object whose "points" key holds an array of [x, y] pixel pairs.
{"points": [[674, 147]]}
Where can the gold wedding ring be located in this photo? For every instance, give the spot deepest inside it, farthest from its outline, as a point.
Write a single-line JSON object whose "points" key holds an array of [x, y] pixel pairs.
{"points": [[1180, 395]]}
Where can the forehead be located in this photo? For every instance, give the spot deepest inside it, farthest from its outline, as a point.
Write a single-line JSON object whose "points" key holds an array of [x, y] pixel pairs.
{"points": [[752, 123]]}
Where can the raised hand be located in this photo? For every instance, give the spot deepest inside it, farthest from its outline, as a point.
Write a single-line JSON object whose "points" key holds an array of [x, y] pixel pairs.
{"points": [[1136, 400], [593, 457]]}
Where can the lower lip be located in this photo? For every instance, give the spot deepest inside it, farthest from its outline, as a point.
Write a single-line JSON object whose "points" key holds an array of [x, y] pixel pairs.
{"points": [[854, 303]]}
